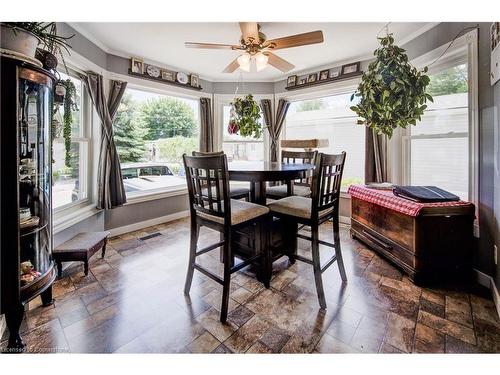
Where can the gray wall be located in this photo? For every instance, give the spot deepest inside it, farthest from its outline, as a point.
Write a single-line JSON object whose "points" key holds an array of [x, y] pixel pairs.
{"points": [[497, 176], [253, 87], [94, 223], [135, 213]]}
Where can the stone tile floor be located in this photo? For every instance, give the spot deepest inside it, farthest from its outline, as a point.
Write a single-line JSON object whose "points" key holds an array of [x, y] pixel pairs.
{"points": [[132, 302]]}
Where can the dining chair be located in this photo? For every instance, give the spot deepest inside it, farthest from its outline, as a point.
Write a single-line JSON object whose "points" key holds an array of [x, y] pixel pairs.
{"points": [[322, 206], [216, 210], [300, 187], [236, 192]]}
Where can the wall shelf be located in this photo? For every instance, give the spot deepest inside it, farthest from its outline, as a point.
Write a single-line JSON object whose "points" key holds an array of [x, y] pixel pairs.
{"points": [[324, 81], [159, 79]]}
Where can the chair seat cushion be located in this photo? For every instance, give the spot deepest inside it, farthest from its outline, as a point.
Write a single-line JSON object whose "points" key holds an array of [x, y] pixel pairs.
{"points": [[281, 191], [296, 206], [81, 242], [241, 211]]}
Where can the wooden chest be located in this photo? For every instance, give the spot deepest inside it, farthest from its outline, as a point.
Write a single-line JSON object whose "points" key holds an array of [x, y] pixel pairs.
{"points": [[432, 246]]}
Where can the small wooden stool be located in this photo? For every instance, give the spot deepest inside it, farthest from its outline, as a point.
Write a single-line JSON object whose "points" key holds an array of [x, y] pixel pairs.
{"points": [[80, 248]]}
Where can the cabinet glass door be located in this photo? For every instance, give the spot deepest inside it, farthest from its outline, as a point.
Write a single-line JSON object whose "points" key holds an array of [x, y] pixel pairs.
{"points": [[34, 179]]}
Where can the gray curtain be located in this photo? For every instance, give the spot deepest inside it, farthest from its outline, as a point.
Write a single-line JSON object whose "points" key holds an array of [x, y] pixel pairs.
{"points": [[111, 192], [275, 126], [206, 126], [375, 157]]}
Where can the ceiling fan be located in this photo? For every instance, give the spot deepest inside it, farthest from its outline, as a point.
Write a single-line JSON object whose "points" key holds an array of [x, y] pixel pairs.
{"points": [[258, 49]]}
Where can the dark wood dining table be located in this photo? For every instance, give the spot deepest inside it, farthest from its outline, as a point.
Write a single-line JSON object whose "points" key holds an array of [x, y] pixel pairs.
{"points": [[260, 172], [273, 234]]}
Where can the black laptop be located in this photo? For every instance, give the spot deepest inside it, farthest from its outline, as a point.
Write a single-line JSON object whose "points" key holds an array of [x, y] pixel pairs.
{"points": [[424, 194]]}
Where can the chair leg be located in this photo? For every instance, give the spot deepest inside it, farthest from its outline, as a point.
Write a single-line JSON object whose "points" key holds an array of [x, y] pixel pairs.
{"points": [[227, 277], [195, 229], [104, 248], [317, 266], [338, 251], [293, 230]]}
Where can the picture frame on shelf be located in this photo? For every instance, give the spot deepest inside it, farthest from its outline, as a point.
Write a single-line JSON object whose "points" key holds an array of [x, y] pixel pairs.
{"points": [[291, 81], [194, 80], [312, 77], [137, 65], [167, 75], [335, 73], [351, 68], [324, 74]]}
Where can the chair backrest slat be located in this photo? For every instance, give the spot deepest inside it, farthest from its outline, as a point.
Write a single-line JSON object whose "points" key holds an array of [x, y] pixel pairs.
{"points": [[208, 185], [326, 181], [294, 157]]}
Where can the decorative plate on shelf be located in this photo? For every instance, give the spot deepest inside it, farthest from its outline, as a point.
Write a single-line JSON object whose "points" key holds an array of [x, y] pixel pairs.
{"points": [[182, 78], [153, 71]]}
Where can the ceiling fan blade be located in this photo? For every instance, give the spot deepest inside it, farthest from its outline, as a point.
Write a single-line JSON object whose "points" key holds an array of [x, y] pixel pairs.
{"points": [[231, 67], [249, 30], [278, 62], [211, 45], [304, 39]]}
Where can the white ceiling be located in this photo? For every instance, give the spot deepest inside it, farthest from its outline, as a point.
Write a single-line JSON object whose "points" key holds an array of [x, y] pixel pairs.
{"points": [[164, 43]]}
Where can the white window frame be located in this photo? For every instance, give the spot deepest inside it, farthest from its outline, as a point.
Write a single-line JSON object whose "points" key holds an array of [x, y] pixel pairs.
{"points": [[338, 88], [160, 89], [221, 100], [86, 161], [400, 154]]}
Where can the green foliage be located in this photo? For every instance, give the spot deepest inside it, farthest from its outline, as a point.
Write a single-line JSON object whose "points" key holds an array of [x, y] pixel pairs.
{"points": [[392, 92], [171, 148], [165, 117], [449, 81], [246, 113], [128, 131], [69, 106], [311, 105]]}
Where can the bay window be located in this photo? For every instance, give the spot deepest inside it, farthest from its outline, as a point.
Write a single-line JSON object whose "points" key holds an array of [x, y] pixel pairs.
{"points": [[329, 117], [152, 131], [70, 168], [239, 148], [441, 149]]}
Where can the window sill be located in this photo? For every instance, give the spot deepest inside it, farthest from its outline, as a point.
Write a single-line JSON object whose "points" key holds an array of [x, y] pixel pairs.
{"points": [[155, 195], [65, 220]]}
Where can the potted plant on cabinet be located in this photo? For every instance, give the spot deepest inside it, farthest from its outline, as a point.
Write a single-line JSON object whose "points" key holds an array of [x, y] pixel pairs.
{"points": [[24, 38]]}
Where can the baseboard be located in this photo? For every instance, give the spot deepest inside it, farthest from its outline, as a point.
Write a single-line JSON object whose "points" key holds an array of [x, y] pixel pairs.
{"points": [[346, 220], [147, 223], [488, 282]]}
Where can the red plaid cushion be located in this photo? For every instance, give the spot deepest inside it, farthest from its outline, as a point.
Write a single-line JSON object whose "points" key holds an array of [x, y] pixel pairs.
{"points": [[386, 198]]}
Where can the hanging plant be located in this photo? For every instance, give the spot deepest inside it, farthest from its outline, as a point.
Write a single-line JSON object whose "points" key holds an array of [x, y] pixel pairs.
{"points": [[244, 118], [392, 92], [65, 90]]}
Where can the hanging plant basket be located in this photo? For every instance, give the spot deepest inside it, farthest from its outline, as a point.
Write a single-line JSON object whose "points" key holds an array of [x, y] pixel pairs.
{"points": [[392, 93], [244, 118]]}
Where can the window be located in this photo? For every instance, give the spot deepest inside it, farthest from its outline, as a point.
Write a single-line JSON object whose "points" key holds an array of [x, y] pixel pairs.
{"points": [[70, 170], [238, 148], [330, 117], [437, 148], [152, 131]]}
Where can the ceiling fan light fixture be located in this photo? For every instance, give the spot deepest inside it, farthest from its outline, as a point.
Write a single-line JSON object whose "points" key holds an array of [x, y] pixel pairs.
{"points": [[244, 62], [260, 61]]}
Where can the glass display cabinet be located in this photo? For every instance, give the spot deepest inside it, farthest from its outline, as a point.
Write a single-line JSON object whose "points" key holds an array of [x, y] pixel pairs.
{"points": [[27, 269]]}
